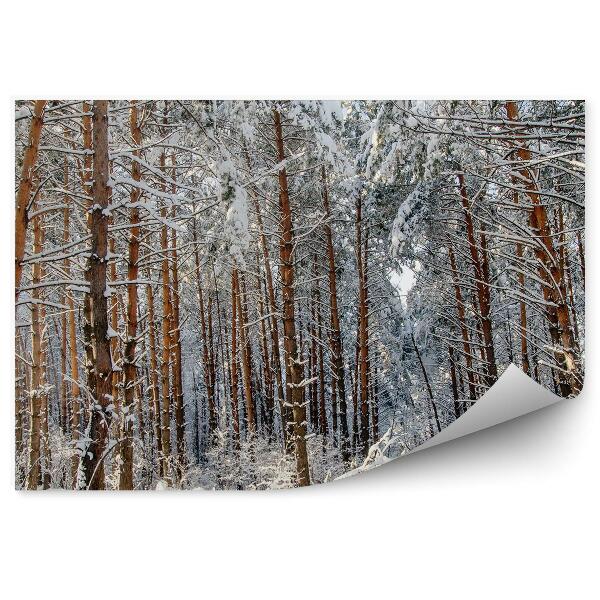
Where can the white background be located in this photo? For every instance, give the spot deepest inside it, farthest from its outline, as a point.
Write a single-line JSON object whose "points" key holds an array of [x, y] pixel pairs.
{"points": [[508, 513]]}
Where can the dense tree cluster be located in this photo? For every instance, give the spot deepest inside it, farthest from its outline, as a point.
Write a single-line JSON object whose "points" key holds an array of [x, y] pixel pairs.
{"points": [[258, 294]]}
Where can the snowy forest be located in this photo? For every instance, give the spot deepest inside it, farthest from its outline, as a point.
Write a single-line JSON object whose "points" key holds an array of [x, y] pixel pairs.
{"points": [[271, 294]]}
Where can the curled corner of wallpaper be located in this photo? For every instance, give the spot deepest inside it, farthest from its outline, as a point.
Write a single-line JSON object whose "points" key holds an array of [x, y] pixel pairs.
{"points": [[512, 396]]}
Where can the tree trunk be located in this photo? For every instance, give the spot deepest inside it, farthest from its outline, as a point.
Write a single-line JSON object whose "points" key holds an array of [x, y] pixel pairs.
{"points": [[93, 459], [24, 191], [37, 392], [126, 474], [335, 340], [64, 387], [212, 419], [86, 182], [323, 425], [522, 306], [234, 364], [455, 397], [176, 349], [460, 309], [267, 373], [154, 383], [245, 358], [549, 271], [427, 384], [282, 397], [115, 345], [286, 250], [363, 333], [482, 283]]}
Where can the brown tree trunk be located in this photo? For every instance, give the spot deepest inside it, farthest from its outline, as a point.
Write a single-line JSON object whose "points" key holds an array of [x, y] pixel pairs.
{"points": [[93, 459], [363, 333], [282, 397], [581, 256], [234, 364], [335, 340], [267, 372], [166, 352], [323, 425], [522, 306], [374, 390], [75, 390], [80, 412], [126, 474], [212, 419], [46, 451], [212, 373], [37, 392], [313, 387], [176, 349], [24, 190], [64, 387], [245, 357], [427, 384], [154, 383], [23, 383], [460, 309], [355, 406], [455, 396], [482, 283], [115, 346], [86, 181], [550, 272], [292, 357]]}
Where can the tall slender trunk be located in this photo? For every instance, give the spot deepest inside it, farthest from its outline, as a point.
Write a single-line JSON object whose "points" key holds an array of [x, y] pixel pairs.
{"points": [[557, 309], [292, 357], [455, 396], [335, 339], [460, 309], [363, 332], [45, 396], [522, 306], [37, 392], [282, 397], [167, 325], [482, 284], [313, 387], [115, 342], [64, 387], [267, 372], [154, 380], [212, 373], [355, 405], [234, 364], [93, 459], [427, 384], [581, 256], [374, 392], [212, 418], [83, 414], [245, 356], [126, 474], [86, 182], [24, 190], [23, 382], [176, 348], [221, 337], [323, 425]]}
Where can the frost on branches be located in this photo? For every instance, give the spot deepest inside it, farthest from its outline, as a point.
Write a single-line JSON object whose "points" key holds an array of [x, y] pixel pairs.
{"points": [[261, 294]]}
